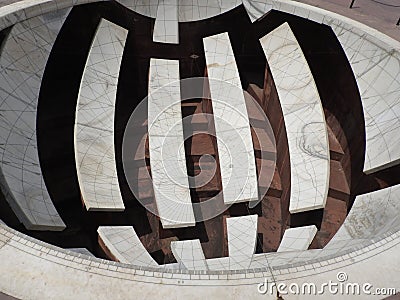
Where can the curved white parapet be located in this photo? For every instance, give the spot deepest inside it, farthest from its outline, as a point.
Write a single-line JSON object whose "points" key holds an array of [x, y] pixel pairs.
{"points": [[166, 148], [81, 251], [304, 120], [375, 60], [297, 239], [94, 122], [22, 63], [190, 254], [124, 244], [232, 127], [22, 10], [188, 10], [166, 26]]}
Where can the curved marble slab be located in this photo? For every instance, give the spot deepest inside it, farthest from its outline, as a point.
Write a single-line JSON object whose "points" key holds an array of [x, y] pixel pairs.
{"points": [[124, 244], [377, 72], [94, 122], [166, 148], [83, 251], [166, 26], [371, 215], [376, 66], [22, 64], [242, 240], [190, 254], [297, 239], [304, 120], [232, 128], [21, 10], [188, 10]]}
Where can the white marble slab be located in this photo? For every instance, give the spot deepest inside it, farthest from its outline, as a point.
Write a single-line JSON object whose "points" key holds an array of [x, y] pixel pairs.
{"points": [[297, 239], [188, 10], [242, 240], [125, 245], [377, 71], [94, 122], [371, 216], [166, 28], [190, 254], [22, 64], [219, 264], [376, 65], [166, 145], [257, 8], [235, 145], [194, 10], [304, 120]]}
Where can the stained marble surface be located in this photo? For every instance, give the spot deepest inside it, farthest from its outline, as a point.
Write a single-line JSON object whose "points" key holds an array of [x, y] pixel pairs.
{"points": [[166, 148], [232, 128], [297, 239], [371, 215], [190, 254], [166, 25], [125, 245], [242, 238], [304, 120], [376, 67], [22, 63], [375, 60], [94, 123]]}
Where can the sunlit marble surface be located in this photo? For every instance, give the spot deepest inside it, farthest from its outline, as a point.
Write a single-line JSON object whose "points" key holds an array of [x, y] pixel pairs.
{"points": [[297, 239], [242, 238], [124, 244], [166, 25], [188, 10], [22, 63], [190, 254], [371, 215], [376, 65], [25, 9], [232, 128], [167, 151], [304, 120], [377, 71], [94, 123]]}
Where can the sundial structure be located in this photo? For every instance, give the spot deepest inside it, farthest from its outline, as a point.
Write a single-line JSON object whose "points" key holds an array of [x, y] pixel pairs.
{"points": [[160, 149]]}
